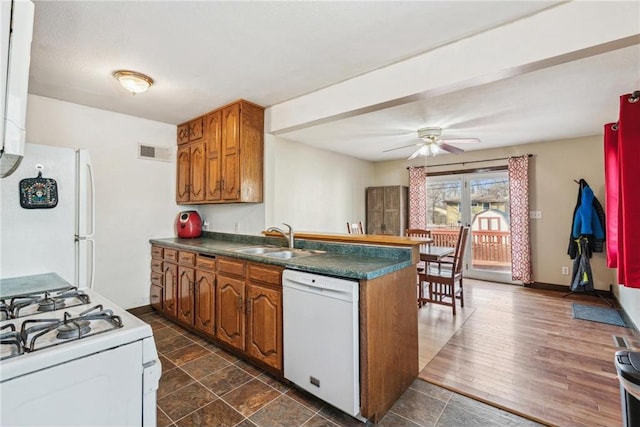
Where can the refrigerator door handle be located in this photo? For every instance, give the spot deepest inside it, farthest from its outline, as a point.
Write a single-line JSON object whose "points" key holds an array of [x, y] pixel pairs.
{"points": [[91, 227]]}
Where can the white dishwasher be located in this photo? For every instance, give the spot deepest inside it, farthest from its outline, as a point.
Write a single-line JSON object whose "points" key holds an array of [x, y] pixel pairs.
{"points": [[321, 337]]}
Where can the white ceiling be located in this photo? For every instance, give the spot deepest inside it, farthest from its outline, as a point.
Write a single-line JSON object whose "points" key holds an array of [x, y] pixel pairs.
{"points": [[205, 54]]}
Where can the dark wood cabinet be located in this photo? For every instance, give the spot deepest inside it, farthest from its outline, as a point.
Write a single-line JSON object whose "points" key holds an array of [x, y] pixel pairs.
{"points": [[236, 302], [225, 165], [264, 314], [387, 210], [186, 280], [185, 283], [190, 174], [191, 131], [170, 289], [230, 299]]}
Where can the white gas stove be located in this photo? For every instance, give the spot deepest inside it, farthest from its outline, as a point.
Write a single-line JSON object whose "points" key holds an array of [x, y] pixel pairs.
{"points": [[73, 348]]}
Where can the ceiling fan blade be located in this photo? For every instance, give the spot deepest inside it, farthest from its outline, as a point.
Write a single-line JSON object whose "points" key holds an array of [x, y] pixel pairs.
{"points": [[460, 140], [419, 152], [450, 148], [404, 146]]}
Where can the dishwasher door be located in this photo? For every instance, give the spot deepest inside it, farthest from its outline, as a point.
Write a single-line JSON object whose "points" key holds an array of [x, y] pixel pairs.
{"points": [[321, 337]]}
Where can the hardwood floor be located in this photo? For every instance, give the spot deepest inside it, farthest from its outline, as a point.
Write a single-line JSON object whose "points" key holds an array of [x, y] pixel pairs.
{"points": [[521, 350]]}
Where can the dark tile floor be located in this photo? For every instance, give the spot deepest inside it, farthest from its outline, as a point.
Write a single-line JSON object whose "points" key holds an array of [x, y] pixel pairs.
{"points": [[203, 385]]}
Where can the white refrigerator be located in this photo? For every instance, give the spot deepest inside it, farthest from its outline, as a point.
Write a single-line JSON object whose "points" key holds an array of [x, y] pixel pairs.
{"points": [[58, 239]]}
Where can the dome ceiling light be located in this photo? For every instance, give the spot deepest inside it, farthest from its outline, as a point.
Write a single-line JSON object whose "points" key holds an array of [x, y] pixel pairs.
{"points": [[132, 81]]}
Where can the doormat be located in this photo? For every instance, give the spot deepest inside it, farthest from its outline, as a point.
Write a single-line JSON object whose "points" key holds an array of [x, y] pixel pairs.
{"points": [[598, 314]]}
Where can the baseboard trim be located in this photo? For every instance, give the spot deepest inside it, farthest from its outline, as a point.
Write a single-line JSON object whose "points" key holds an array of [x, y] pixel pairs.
{"points": [[139, 311], [564, 288], [625, 316]]}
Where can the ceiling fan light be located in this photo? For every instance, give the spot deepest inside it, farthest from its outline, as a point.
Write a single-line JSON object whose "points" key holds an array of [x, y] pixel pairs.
{"points": [[133, 81], [433, 149]]}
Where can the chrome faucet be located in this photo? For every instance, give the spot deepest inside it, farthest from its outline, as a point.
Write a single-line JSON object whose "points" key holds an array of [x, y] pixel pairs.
{"points": [[288, 236]]}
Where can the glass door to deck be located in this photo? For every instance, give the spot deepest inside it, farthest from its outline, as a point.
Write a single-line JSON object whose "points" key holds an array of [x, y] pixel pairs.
{"points": [[481, 201]]}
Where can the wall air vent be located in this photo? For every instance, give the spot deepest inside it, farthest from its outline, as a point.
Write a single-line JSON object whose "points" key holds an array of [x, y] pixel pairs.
{"points": [[154, 153]]}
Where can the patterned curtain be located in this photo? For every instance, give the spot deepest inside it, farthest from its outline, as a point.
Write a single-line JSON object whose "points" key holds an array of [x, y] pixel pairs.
{"points": [[519, 213], [417, 198]]}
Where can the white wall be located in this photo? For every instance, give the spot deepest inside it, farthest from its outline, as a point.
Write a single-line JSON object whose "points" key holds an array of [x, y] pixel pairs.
{"points": [[135, 198], [314, 190]]}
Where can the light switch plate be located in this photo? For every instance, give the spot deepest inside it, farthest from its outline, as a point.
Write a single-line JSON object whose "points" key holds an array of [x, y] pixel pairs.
{"points": [[535, 214]]}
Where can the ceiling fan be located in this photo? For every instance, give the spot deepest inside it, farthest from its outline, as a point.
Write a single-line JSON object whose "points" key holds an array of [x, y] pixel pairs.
{"points": [[431, 143]]}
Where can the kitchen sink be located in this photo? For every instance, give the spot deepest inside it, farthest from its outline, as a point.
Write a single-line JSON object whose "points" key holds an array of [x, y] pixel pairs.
{"points": [[276, 252], [258, 250], [287, 254]]}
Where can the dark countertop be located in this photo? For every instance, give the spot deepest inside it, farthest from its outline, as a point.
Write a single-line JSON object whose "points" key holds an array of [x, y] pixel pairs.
{"points": [[340, 260]]}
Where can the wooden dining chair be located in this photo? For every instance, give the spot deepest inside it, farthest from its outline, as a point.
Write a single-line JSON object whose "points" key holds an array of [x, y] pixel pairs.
{"points": [[355, 227], [441, 278], [418, 232]]}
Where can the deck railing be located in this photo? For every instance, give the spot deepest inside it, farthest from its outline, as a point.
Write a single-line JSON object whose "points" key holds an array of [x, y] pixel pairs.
{"points": [[487, 247]]}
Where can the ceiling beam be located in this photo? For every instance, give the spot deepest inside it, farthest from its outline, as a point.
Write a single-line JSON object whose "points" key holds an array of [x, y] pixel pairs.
{"points": [[568, 32]]}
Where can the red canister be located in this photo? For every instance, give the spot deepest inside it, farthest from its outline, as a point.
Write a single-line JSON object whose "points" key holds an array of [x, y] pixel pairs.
{"points": [[188, 224]]}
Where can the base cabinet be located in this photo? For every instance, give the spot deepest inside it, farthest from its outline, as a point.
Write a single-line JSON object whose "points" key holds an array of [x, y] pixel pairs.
{"points": [[237, 303], [183, 287], [264, 323], [205, 295], [230, 311]]}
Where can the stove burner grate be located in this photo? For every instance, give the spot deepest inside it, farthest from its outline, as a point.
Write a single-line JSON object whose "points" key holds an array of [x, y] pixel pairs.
{"points": [[68, 329], [11, 342], [73, 329], [50, 304], [69, 297]]}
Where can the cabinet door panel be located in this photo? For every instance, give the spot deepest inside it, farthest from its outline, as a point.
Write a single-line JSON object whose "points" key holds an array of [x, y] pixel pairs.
{"points": [[230, 316], [183, 134], [155, 296], [182, 175], [196, 129], [230, 152], [213, 190], [264, 324], [170, 289], [196, 177], [186, 278], [205, 302]]}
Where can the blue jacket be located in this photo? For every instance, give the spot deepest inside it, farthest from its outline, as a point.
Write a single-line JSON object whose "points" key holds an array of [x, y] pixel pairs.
{"points": [[586, 220]]}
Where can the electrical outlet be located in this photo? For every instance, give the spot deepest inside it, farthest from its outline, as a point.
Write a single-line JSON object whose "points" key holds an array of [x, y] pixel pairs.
{"points": [[535, 214], [205, 224], [565, 270], [236, 227]]}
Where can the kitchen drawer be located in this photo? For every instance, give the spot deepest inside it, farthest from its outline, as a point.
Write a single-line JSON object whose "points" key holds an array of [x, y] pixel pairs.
{"points": [[156, 252], [170, 255], [156, 266], [231, 266], [204, 262], [266, 274], [156, 279], [187, 258]]}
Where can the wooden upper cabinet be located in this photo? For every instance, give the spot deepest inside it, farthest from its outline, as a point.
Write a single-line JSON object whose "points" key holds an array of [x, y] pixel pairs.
{"points": [[213, 183], [196, 172], [183, 174], [191, 131], [232, 169]]}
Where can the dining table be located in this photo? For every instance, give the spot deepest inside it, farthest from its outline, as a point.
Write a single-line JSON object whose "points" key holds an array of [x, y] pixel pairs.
{"points": [[430, 253]]}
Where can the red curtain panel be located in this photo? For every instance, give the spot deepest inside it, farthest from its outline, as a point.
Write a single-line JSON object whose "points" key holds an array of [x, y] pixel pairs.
{"points": [[612, 187], [628, 153]]}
